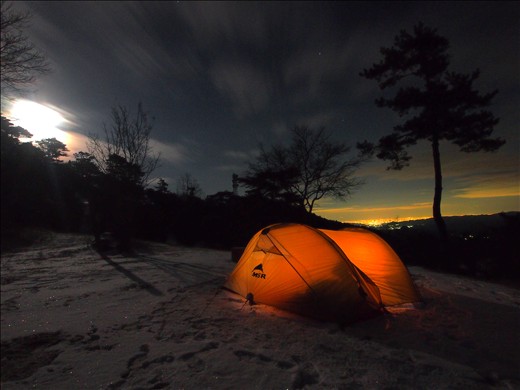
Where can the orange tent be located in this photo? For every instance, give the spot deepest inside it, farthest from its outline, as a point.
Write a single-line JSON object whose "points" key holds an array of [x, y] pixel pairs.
{"points": [[342, 275]]}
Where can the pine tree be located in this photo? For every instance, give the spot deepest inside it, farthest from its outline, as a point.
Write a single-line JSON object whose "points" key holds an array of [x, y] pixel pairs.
{"points": [[438, 104]]}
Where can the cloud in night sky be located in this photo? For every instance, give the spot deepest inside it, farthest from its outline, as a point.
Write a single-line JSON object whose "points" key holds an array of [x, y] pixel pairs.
{"points": [[222, 77]]}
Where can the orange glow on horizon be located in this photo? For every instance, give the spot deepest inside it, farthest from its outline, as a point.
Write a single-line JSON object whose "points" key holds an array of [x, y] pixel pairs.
{"points": [[376, 216], [416, 206], [382, 221], [489, 193]]}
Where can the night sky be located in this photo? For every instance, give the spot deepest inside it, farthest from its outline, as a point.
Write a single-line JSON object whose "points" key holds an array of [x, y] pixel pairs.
{"points": [[222, 77]]}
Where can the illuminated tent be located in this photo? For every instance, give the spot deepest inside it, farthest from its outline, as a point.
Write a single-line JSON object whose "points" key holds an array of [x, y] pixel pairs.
{"points": [[333, 275]]}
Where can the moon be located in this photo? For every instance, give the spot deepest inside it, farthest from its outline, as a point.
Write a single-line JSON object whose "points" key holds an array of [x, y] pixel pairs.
{"points": [[39, 119]]}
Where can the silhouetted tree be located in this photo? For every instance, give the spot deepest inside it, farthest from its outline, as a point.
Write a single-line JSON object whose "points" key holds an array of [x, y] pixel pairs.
{"points": [[125, 160], [27, 193], [20, 61], [53, 149], [162, 186], [62, 204], [158, 213], [12, 132], [91, 185], [85, 166], [123, 194], [310, 168], [440, 105], [127, 138], [187, 186], [128, 174], [272, 176], [85, 182]]}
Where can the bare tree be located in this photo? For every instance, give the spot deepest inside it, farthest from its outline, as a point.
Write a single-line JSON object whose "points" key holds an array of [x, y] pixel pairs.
{"points": [[188, 186], [323, 168], [272, 176], [127, 138], [310, 168], [21, 62]]}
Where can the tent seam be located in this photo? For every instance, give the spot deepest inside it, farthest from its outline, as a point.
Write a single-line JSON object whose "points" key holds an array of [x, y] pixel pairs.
{"points": [[348, 263]]}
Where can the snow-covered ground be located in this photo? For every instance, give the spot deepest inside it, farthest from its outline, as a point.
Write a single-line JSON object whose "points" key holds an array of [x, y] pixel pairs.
{"points": [[74, 319]]}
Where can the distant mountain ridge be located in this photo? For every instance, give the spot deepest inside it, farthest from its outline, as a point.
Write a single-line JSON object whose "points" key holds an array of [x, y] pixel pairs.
{"points": [[465, 224]]}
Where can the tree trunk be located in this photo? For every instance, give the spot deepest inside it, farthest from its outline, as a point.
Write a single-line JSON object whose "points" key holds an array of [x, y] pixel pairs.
{"points": [[437, 216]]}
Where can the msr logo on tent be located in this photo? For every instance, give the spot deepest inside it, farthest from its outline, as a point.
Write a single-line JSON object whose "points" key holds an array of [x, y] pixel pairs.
{"points": [[260, 274]]}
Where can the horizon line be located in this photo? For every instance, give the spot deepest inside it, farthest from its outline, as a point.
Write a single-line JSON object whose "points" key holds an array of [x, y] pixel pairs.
{"points": [[382, 221]]}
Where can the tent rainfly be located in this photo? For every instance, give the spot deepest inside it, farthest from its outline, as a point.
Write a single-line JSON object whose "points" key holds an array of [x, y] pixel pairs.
{"points": [[343, 275]]}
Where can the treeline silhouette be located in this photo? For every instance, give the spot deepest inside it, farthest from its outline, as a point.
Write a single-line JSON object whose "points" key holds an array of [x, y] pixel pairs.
{"points": [[38, 190], [222, 220]]}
